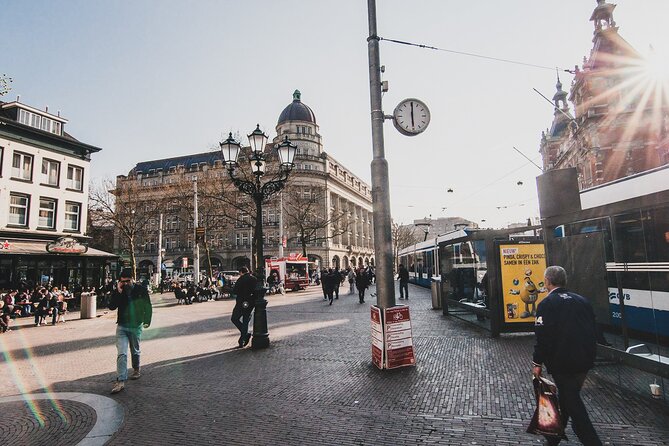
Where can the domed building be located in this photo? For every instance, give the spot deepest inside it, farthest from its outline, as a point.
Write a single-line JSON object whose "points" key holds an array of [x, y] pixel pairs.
{"points": [[325, 211]]}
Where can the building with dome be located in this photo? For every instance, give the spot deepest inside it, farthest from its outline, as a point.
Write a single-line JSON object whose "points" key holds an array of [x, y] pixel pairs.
{"points": [[339, 203], [619, 123]]}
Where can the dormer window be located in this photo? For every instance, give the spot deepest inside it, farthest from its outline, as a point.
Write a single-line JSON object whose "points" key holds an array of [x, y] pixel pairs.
{"points": [[40, 122]]}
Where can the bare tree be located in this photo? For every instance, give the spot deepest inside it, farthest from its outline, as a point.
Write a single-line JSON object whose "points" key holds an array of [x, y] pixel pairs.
{"points": [[213, 211], [306, 215], [402, 236], [118, 205], [4, 84]]}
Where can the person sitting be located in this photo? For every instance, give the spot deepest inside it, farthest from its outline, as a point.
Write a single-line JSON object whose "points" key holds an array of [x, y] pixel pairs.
{"points": [[179, 293], [62, 308], [4, 317]]}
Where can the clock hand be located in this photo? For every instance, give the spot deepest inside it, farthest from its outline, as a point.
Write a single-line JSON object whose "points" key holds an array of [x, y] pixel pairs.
{"points": [[412, 123]]}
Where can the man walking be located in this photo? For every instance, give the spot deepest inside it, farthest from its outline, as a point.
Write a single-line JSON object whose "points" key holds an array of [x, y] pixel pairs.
{"points": [[241, 315], [134, 314], [566, 344], [403, 275]]}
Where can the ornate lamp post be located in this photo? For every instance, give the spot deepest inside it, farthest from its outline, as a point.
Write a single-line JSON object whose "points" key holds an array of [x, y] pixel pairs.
{"points": [[260, 192]]}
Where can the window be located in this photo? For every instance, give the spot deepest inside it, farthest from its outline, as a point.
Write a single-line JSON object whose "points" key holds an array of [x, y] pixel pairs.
{"points": [[47, 213], [18, 209], [75, 176], [72, 214], [22, 166], [50, 172]]}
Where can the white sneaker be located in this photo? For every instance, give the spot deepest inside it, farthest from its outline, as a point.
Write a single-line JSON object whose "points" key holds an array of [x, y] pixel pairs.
{"points": [[120, 385]]}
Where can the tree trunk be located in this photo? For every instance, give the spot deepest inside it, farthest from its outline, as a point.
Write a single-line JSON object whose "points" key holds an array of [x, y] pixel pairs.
{"points": [[133, 264], [303, 240], [206, 248]]}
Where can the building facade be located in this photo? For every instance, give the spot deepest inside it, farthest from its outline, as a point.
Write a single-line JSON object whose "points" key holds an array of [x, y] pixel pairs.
{"points": [[340, 206], [619, 123], [44, 201]]}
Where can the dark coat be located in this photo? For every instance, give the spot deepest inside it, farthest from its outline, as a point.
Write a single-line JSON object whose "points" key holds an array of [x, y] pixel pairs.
{"points": [[362, 280], [244, 289], [134, 306], [403, 274], [566, 333]]}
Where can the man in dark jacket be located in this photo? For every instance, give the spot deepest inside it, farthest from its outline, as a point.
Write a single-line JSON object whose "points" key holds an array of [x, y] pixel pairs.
{"points": [[566, 344], [134, 314], [244, 290], [403, 275]]}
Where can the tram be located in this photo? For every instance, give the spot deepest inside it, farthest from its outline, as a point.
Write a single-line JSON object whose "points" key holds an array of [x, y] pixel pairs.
{"points": [[615, 245]]}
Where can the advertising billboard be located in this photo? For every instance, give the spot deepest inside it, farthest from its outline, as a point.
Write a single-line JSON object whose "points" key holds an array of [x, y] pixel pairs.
{"points": [[522, 268]]}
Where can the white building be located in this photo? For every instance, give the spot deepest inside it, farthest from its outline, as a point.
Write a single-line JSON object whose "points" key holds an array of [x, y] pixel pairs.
{"points": [[43, 199]]}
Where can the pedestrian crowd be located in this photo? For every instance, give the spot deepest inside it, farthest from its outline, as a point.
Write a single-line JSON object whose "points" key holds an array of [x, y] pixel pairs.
{"points": [[331, 279], [40, 302]]}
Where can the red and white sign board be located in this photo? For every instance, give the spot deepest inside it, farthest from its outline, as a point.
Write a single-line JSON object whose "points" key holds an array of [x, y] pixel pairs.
{"points": [[377, 337], [398, 337], [184, 262], [392, 341]]}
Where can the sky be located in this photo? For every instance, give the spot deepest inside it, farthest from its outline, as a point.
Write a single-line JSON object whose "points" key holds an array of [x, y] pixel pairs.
{"points": [[151, 79]]}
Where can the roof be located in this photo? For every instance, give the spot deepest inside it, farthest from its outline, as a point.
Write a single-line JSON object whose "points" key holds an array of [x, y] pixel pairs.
{"points": [[297, 111], [186, 161]]}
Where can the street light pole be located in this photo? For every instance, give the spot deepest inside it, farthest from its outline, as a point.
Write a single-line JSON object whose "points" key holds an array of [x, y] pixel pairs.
{"points": [[383, 246], [259, 192], [196, 248]]}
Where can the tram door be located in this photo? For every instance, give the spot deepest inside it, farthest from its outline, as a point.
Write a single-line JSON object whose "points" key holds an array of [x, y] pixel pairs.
{"points": [[583, 256]]}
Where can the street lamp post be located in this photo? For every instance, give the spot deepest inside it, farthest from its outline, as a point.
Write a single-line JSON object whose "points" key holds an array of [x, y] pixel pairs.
{"points": [[259, 192]]}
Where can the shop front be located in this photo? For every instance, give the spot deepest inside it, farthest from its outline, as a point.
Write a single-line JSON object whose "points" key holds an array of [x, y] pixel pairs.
{"points": [[62, 262]]}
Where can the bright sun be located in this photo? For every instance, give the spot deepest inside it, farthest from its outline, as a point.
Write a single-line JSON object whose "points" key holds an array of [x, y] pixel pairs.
{"points": [[656, 66]]}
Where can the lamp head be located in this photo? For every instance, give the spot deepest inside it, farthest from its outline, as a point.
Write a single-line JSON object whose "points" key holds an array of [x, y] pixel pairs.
{"points": [[230, 151], [287, 152], [258, 140]]}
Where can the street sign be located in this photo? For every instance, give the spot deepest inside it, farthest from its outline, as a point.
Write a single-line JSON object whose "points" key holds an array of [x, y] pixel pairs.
{"points": [[377, 337], [199, 234], [398, 337], [184, 262]]}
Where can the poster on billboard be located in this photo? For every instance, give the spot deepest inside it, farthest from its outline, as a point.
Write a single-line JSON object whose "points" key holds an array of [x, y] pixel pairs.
{"points": [[377, 337], [398, 337], [523, 266]]}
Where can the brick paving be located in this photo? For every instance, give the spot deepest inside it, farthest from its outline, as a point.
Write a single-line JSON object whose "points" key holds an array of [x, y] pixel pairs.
{"points": [[315, 385]]}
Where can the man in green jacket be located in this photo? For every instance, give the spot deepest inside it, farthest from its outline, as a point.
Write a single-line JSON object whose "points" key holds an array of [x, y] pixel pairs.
{"points": [[134, 314]]}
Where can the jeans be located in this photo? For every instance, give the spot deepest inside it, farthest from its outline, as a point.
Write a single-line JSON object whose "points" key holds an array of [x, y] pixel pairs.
{"points": [[571, 405], [127, 337], [404, 289], [241, 317]]}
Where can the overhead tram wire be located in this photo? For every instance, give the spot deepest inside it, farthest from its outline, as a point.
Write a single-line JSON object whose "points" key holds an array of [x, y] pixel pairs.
{"points": [[480, 56]]}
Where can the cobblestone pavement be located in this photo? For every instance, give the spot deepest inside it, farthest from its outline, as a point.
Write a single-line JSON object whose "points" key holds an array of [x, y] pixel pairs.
{"points": [[315, 385]]}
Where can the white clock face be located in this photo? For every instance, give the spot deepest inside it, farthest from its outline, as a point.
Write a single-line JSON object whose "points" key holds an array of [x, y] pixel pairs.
{"points": [[411, 117]]}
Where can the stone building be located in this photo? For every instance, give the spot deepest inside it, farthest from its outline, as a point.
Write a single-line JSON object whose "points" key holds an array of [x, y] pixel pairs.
{"points": [[619, 123], [346, 240]]}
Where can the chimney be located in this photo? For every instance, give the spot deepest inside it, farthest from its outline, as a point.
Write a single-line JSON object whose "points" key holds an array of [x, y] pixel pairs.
{"points": [[46, 109], [18, 98]]}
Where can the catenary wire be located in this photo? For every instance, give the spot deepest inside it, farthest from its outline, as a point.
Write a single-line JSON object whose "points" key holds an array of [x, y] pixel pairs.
{"points": [[464, 53]]}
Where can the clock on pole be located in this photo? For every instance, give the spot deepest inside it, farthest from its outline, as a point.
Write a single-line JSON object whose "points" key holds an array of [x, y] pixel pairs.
{"points": [[411, 117]]}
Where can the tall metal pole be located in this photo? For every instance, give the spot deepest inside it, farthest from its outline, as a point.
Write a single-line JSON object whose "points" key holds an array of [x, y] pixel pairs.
{"points": [[196, 249], [160, 250], [383, 248], [280, 224], [260, 331]]}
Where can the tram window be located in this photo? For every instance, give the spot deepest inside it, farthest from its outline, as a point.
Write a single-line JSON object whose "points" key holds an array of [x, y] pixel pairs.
{"points": [[599, 225], [656, 230], [479, 251], [629, 238]]}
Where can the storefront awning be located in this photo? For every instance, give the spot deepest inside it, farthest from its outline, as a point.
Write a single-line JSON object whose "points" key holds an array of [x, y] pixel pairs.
{"points": [[37, 247]]}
